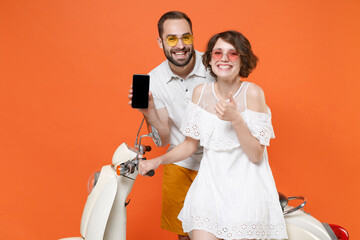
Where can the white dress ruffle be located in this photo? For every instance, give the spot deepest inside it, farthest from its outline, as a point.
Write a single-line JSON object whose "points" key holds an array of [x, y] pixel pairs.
{"points": [[219, 135]]}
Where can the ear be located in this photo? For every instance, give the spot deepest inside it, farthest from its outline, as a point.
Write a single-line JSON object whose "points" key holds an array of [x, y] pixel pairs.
{"points": [[159, 40]]}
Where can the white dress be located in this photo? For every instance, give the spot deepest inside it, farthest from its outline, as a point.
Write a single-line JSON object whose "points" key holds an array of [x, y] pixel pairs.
{"points": [[231, 197]]}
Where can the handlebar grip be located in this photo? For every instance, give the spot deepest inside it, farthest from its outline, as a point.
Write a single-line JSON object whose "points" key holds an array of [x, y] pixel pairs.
{"points": [[150, 173]]}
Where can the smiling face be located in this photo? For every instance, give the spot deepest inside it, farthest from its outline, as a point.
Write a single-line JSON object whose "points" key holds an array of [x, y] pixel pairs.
{"points": [[180, 54], [225, 68]]}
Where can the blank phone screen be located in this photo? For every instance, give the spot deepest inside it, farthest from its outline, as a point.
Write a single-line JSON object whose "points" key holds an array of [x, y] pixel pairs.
{"points": [[140, 88]]}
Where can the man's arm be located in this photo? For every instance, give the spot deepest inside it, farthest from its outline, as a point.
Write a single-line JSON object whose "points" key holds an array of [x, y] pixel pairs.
{"points": [[158, 119]]}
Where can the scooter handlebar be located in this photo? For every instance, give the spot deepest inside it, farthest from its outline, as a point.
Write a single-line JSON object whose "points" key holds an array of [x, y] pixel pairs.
{"points": [[150, 173], [129, 167]]}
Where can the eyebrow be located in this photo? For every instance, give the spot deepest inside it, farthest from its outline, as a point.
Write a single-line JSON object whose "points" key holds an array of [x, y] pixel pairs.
{"points": [[225, 49], [174, 35]]}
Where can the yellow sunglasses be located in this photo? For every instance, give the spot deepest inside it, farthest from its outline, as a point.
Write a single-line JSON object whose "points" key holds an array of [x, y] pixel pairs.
{"points": [[173, 40]]}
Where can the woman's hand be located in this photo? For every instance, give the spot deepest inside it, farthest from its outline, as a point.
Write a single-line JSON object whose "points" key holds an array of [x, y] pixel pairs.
{"points": [[227, 109], [146, 165]]}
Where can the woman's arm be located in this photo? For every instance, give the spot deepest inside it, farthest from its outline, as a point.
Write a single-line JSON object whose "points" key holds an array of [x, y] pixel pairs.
{"points": [[228, 111], [178, 153]]}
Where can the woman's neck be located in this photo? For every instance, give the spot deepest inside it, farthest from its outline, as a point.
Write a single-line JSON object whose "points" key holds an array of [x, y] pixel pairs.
{"points": [[224, 87]]}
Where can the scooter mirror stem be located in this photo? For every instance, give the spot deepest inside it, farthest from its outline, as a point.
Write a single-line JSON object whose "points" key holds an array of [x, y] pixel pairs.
{"points": [[141, 149], [137, 135]]}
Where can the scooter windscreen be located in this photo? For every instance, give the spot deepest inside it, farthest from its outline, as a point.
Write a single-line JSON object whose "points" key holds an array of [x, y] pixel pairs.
{"points": [[92, 181]]}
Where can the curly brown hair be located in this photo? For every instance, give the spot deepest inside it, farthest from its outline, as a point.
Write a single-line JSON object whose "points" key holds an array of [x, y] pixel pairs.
{"points": [[241, 45]]}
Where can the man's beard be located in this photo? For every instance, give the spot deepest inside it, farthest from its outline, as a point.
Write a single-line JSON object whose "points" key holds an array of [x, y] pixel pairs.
{"points": [[177, 63]]}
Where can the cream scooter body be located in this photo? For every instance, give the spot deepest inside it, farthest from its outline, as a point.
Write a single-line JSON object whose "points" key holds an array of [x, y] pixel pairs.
{"points": [[302, 226], [104, 215]]}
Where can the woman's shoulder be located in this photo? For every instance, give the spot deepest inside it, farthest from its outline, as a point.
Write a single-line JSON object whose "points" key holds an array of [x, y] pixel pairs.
{"points": [[199, 87], [254, 90], [255, 98], [197, 92]]}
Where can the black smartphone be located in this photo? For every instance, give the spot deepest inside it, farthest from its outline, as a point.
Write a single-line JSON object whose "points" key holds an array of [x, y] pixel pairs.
{"points": [[140, 89]]}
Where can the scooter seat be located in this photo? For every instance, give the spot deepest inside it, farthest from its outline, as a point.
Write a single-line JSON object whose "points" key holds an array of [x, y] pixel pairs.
{"points": [[283, 200]]}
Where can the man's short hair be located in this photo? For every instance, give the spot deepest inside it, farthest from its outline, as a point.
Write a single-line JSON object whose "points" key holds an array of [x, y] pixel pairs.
{"points": [[172, 15]]}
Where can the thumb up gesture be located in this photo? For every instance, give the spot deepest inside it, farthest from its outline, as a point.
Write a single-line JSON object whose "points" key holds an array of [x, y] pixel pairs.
{"points": [[226, 109]]}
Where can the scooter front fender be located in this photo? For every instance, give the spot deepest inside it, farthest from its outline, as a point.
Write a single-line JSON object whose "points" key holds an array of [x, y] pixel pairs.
{"points": [[98, 205]]}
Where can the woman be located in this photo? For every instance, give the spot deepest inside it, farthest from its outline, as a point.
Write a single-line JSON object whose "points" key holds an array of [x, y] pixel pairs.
{"points": [[234, 194]]}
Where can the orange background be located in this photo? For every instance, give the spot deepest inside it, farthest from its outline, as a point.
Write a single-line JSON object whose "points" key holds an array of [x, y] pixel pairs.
{"points": [[66, 67]]}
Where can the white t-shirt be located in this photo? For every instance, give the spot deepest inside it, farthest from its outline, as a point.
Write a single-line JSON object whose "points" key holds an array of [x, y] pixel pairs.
{"points": [[174, 93]]}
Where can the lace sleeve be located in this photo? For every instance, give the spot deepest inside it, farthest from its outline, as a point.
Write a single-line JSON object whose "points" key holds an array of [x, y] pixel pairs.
{"points": [[260, 125], [190, 125]]}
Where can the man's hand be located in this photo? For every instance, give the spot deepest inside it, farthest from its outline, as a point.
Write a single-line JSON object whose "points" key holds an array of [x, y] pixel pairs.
{"points": [[159, 119], [151, 105]]}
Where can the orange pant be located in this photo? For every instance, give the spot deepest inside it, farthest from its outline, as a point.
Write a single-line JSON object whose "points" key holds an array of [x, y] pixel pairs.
{"points": [[176, 183]]}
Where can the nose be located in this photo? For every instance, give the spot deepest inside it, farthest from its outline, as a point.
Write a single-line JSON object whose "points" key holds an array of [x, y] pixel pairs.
{"points": [[224, 57], [180, 43]]}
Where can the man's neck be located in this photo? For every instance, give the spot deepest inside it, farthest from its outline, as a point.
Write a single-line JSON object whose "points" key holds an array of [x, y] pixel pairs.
{"points": [[184, 71]]}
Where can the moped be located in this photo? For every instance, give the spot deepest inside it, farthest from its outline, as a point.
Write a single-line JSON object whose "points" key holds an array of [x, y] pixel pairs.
{"points": [[104, 215]]}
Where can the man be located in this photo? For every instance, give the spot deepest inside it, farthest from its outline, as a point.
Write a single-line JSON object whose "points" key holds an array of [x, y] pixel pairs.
{"points": [[171, 87]]}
